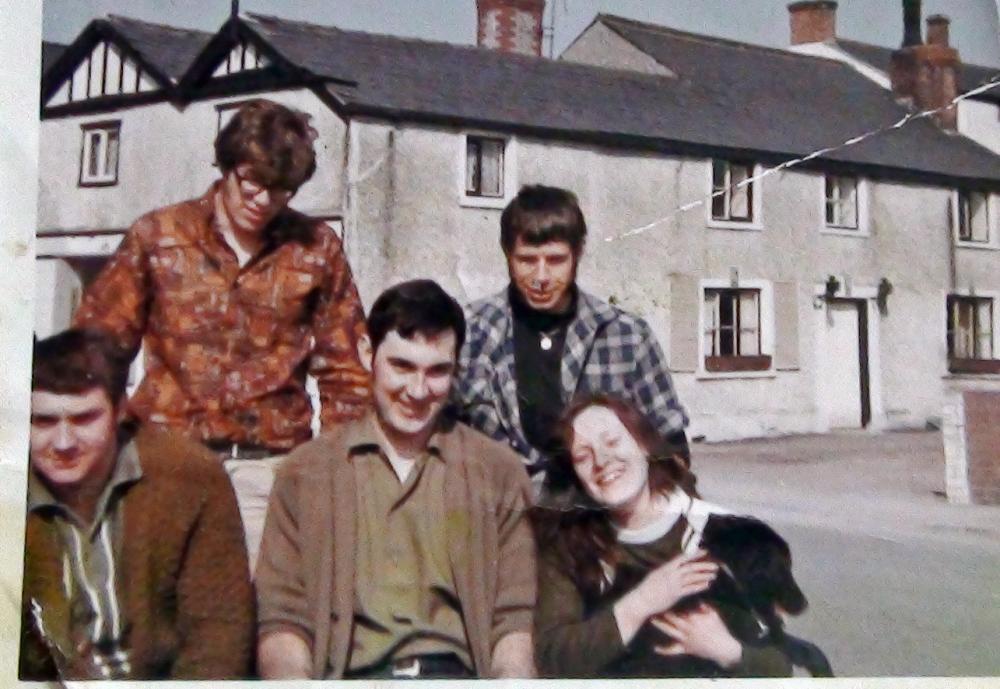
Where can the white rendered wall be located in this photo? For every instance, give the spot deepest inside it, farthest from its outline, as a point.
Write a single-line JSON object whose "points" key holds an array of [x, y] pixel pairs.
{"points": [[56, 288], [980, 121], [165, 157], [408, 223], [404, 219]]}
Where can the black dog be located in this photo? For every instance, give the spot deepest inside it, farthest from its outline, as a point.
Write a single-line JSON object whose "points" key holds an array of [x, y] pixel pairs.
{"points": [[754, 581]]}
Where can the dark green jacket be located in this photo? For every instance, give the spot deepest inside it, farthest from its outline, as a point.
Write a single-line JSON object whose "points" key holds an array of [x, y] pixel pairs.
{"points": [[577, 638]]}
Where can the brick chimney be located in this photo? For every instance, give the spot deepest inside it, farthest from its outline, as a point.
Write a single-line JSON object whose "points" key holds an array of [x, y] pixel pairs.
{"points": [[813, 21], [510, 26], [924, 75]]}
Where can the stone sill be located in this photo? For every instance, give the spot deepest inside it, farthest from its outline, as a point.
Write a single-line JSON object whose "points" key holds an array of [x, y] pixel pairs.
{"points": [[975, 366], [730, 364]]}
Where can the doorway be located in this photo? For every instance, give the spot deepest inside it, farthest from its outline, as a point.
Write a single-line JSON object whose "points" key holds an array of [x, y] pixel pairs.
{"points": [[845, 386]]}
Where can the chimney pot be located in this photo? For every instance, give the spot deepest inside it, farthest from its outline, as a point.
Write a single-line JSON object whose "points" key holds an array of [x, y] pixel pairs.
{"points": [[911, 23], [937, 29], [812, 21], [510, 26]]}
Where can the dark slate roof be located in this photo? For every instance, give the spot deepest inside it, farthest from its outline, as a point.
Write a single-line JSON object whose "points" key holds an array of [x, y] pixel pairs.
{"points": [[734, 96], [969, 76], [50, 53], [169, 48]]}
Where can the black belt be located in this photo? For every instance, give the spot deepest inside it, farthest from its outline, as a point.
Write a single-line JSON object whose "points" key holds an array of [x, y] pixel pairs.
{"points": [[428, 665], [230, 450]]}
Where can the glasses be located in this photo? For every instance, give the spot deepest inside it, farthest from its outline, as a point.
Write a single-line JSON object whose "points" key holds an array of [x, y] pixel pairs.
{"points": [[251, 189]]}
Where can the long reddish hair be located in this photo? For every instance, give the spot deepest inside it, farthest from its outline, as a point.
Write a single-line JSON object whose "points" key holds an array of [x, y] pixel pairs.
{"points": [[572, 527]]}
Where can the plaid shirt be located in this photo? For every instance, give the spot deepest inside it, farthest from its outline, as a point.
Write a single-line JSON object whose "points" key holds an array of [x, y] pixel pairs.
{"points": [[227, 349], [607, 350]]}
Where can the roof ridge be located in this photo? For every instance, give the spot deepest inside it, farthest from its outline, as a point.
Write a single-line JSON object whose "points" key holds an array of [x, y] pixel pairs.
{"points": [[330, 27], [706, 38], [396, 37], [112, 18], [865, 44], [559, 63]]}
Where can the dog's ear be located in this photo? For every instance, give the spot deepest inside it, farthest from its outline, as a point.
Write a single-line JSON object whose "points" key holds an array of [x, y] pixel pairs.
{"points": [[787, 593], [758, 557]]}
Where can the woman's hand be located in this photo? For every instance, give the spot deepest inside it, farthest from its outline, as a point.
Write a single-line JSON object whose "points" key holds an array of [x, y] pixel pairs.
{"points": [[678, 578], [699, 632]]}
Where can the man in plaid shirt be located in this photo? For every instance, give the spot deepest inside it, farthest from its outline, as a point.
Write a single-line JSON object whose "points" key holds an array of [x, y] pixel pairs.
{"points": [[542, 341]]}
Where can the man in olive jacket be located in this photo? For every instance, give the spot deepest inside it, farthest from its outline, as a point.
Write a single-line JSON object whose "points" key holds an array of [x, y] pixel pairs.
{"points": [[135, 566], [398, 546]]}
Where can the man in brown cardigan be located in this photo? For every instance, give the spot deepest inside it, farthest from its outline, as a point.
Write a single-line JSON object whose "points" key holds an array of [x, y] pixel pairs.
{"points": [[398, 546], [135, 566]]}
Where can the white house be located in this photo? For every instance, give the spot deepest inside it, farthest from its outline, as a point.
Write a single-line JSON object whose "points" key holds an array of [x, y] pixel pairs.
{"points": [[852, 290]]}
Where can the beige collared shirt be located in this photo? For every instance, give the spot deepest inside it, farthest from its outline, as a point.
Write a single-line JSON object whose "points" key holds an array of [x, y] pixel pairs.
{"points": [[405, 596], [91, 552]]}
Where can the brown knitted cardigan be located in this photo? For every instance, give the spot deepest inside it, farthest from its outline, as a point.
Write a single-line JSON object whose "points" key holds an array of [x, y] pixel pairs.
{"points": [[184, 581]]}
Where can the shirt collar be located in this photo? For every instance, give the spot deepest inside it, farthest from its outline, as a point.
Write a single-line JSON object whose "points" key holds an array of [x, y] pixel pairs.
{"points": [[282, 229], [127, 470], [364, 435], [537, 320]]}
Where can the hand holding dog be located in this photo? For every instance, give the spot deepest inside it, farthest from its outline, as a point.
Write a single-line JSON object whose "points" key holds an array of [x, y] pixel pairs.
{"points": [[699, 632], [662, 588]]}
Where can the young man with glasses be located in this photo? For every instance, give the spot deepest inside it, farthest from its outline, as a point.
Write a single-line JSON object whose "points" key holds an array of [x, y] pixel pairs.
{"points": [[236, 298]]}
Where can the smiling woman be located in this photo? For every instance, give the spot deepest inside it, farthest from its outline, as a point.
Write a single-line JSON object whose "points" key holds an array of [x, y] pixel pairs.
{"points": [[617, 553]]}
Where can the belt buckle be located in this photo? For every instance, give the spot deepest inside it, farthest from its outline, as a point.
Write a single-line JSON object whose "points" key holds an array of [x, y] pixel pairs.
{"points": [[406, 668]]}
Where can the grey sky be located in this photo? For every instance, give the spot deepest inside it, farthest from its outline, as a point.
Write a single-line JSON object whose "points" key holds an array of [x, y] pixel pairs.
{"points": [[975, 30]]}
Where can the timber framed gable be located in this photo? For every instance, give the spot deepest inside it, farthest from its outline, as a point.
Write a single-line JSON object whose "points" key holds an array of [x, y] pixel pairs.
{"points": [[100, 70]]}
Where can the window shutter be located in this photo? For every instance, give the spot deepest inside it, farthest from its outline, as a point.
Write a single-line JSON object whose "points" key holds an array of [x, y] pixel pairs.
{"points": [[684, 307], [749, 323], [786, 326], [984, 333]]}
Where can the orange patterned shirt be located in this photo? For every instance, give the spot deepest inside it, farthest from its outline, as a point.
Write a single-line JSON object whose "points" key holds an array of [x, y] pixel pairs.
{"points": [[226, 348]]}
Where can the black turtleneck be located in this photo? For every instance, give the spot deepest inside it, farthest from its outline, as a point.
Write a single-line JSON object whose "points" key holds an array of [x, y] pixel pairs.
{"points": [[537, 370]]}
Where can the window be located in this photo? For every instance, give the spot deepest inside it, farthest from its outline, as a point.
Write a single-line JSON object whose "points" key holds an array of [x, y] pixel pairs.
{"points": [[732, 337], [842, 202], [970, 327], [973, 217], [484, 166], [99, 159], [730, 200]]}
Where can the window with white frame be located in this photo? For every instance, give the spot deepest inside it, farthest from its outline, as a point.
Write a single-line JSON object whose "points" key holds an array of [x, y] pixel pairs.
{"points": [[973, 216], [732, 194], [842, 210], [484, 166], [99, 157], [970, 327], [732, 336]]}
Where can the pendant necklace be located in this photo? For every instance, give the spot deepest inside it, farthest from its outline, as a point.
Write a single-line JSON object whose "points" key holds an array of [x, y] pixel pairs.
{"points": [[546, 339]]}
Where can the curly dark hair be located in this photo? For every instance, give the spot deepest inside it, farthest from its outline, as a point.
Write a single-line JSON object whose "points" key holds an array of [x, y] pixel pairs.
{"points": [[275, 141]]}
